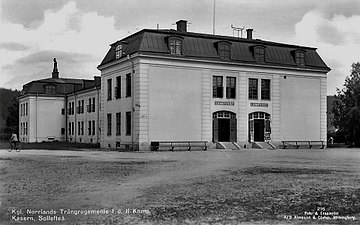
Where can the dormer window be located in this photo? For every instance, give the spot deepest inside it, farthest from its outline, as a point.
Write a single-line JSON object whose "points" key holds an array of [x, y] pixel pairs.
{"points": [[259, 54], [224, 50], [175, 46], [118, 51], [300, 58], [50, 89]]}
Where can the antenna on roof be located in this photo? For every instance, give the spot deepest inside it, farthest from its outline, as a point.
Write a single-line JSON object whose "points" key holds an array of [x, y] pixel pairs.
{"points": [[238, 29], [214, 17]]}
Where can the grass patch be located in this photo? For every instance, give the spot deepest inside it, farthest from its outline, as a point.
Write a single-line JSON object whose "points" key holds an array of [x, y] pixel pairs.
{"points": [[255, 194]]}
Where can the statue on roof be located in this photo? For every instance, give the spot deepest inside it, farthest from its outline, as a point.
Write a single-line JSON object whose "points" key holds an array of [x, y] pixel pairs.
{"points": [[55, 66], [55, 73]]}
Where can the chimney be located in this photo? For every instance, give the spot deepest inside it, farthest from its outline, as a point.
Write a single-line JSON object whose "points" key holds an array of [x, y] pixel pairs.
{"points": [[55, 73], [181, 25], [97, 81], [249, 33]]}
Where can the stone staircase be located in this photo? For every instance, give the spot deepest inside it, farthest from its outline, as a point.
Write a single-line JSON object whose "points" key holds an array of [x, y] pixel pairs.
{"points": [[263, 145], [227, 145]]}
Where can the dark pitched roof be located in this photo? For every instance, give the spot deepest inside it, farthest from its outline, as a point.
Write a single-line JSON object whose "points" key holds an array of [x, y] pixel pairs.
{"points": [[202, 46], [63, 86]]}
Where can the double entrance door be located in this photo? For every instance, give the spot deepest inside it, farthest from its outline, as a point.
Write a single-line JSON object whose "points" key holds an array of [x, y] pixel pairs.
{"points": [[224, 126], [259, 127]]}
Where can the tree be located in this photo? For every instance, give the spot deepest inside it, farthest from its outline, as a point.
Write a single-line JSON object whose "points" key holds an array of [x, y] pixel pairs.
{"points": [[346, 108], [12, 120]]}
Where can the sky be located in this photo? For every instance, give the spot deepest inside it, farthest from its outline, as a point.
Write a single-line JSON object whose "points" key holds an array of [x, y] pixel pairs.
{"points": [[78, 32]]}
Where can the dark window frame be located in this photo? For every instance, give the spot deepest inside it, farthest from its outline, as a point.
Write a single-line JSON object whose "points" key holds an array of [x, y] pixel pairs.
{"points": [[176, 45], [128, 85], [118, 123], [299, 56], [265, 89], [224, 50], [259, 54], [128, 123], [231, 87], [253, 89], [109, 89], [218, 87], [118, 87], [109, 123]]}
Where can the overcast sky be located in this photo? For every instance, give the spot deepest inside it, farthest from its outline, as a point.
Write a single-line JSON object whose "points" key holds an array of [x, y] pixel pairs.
{"points": [[78, 32]]}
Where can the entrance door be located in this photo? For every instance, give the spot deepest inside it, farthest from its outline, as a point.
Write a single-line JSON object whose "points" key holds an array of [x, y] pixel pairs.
{"points": [[224, 130], [224, 126], [259, 130]]}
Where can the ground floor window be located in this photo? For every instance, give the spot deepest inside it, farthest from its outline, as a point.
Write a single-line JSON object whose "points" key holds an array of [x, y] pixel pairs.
{"points": [[259, 127], [224, 126]]}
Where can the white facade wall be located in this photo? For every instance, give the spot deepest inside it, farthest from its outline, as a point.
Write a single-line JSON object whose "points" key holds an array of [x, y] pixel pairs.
{"points": [[83, 132], [44, 120], [173, 101], [123, 105]]}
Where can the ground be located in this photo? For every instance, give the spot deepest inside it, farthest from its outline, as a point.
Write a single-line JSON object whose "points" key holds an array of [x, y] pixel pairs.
{"points": [[204, 187]]}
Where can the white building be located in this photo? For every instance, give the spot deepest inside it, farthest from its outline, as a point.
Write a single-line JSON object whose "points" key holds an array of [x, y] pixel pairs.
{"points": [[47, 110], [168, 85]]}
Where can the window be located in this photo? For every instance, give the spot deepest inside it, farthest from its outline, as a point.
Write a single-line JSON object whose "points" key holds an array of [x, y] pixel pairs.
{"points": [[50, 89], [118, 87], [175, 46], [82, 127], [21, 127], [88, 107], [79, 128], [69, 128], [217, 86], [93, 127], [93, 105], [26, 108], [265, 89], [73, 128], [89, 128], [26, 128], [230, 87], [300, 58], [109, 124], [128, 123], [62, 130], [259, 54], [118, 123], [253, 88], [62, 111], [82, 106], [118, 51], [224, 51], [128, 85], [21, 109], [109, 85]]}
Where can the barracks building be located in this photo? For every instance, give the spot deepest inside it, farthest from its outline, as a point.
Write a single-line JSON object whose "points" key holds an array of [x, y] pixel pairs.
{"points": [[175, 85]]}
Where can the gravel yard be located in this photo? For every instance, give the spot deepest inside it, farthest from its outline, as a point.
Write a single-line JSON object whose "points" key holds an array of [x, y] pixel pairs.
{"points": [[213, 187]]}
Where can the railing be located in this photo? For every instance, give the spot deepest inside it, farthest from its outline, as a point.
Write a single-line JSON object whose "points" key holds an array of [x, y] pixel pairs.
{"points": [[298, 144], [178, 145]]}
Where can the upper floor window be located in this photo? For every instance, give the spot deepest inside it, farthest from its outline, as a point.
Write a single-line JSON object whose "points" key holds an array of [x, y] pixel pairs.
{"points": [[259, 54], [217, 86], [265, 89], [50, 89], [300, 58], [128, 123], [118, 51], [128, 85], [175, 45], [253, 88], [224, 51], [109, 87], [230, 87], [118, 87]]}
